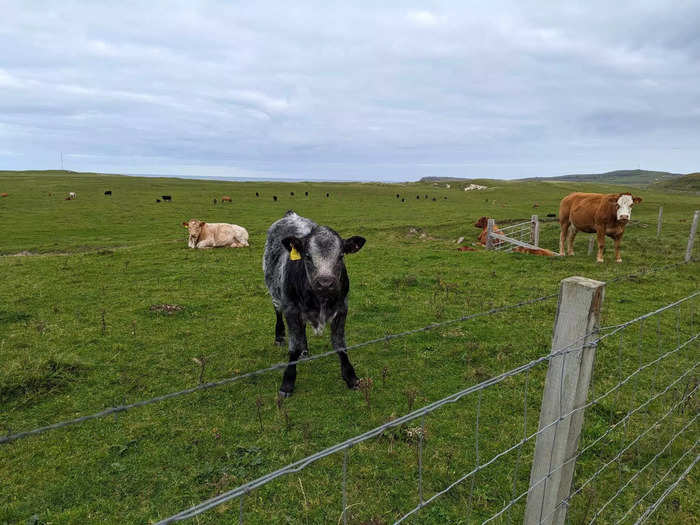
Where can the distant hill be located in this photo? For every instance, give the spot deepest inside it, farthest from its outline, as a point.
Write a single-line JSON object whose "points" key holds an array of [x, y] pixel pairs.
{"points": [[690, 182], [632, 177]]}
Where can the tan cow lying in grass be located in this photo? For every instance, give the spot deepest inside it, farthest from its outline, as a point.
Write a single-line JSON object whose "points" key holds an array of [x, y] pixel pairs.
{"points": [[212, 235]]}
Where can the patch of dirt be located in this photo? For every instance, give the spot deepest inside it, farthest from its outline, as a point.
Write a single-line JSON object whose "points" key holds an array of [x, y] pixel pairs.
{"points": [[168, 309]]}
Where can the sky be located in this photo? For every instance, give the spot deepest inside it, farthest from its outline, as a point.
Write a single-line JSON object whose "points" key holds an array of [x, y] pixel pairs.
{"points": [[350, 90]]}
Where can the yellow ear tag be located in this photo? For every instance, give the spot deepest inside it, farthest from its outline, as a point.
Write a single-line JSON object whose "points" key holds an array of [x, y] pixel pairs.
{"points": [[294, 254]]}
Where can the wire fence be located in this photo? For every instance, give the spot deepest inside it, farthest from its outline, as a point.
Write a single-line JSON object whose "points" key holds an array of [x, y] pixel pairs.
{"points": [[10, 437], [619, 448], [521, 231]]}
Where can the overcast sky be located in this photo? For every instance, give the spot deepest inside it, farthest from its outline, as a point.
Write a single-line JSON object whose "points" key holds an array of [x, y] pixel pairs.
{"points": [[350, 91]]}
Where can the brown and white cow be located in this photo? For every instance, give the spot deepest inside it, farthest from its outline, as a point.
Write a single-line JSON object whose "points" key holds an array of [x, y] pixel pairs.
{"points": [[602, 214], [215, 234], [483, 223]]}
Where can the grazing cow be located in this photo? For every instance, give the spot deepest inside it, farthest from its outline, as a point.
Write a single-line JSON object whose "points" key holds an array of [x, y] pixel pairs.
{"points": [[257, 194], [274, 198], [166, 198], [157, 200], [434, 199], [306, 194], [483, 223], [291, 193], [4, 194], [226, 198], [417, 196], [306, 276], [211, 235], [214, 201], [403, 200], [72, 195], [602, 214], [108, 192], [397, 195], [328, 194]]}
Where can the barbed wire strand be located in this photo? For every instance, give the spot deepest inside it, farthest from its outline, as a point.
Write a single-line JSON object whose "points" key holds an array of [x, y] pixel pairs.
{"points": [[668, 490], [229, 380], [300, 464]]}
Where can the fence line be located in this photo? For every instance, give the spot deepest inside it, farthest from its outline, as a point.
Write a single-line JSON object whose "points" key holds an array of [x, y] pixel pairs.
{"points": [[279, 366], [575, 346], [668, 490]]}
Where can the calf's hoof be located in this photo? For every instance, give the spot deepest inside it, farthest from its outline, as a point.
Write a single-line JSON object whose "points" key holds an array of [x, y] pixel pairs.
{"points": [[618, 260], [285, 393]]}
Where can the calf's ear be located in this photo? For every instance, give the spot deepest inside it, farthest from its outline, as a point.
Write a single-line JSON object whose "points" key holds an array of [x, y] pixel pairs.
{"points": [[201, 224], [291, 242], [636, 200], [353, 244]]}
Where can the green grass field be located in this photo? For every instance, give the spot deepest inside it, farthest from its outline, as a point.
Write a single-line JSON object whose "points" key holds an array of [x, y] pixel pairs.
{"points": [[80, 331]]}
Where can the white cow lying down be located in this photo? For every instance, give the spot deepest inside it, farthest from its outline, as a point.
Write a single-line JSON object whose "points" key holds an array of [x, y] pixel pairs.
{"points": [[211, 235]]}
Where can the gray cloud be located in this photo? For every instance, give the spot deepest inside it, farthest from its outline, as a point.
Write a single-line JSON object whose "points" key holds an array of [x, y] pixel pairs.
{"points": [[355, 91]]}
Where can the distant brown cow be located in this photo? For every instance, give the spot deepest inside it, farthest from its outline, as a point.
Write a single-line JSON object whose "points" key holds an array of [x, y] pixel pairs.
{"points": [[483, 223], [226, 198], [602, 214], [4, 194]]}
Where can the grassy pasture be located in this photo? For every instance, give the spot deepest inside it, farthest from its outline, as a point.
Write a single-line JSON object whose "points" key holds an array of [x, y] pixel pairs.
{"points": [[78, 334]]}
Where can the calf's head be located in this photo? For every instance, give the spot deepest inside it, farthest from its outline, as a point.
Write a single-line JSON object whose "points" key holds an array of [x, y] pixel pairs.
{"points": [[321, 252], [623, 205], [482, 222], [195, 228]]}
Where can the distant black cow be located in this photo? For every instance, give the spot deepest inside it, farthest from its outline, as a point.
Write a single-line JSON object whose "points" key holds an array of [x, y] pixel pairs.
{"points": [[434, 199], [397, 195], [274, 198], [328, 194], [306, 194], [403, 200], [157, 200], [257, 194], [417, 196], [426, 196], [308, 282], [166, 197], [291, 193], [108, 192], [214, 201]]}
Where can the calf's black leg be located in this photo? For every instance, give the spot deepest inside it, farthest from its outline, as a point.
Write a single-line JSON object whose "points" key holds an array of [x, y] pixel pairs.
{"points": [[338, 342], [297, 349], [279, 329]]}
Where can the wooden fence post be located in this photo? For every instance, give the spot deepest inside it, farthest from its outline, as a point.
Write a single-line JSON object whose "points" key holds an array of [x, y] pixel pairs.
{"points": [[534, 230], [566, 388], [591, 242], [489, 231], [691, 237], [658, 225]]}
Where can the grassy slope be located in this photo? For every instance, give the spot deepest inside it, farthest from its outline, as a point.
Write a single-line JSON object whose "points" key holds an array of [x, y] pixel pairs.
{"points": [[78, 335], [687, 183]]}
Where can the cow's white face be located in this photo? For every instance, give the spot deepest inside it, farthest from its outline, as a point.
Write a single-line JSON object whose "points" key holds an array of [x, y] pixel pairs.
{"points": [[624, 207], [195, 229]]}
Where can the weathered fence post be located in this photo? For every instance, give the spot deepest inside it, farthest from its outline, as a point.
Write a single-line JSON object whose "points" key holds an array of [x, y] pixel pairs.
{"points": [[658, 224], [691, 238], [489, 230], [534, 230], [566, 388], [591, 242]]}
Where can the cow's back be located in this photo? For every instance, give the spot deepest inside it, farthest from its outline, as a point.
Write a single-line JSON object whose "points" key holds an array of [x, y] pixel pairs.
{"points": [[580, 209], [276, 256]]}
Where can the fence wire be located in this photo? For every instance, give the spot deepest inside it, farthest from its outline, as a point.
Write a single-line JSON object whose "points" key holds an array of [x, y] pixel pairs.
{"points": [[576, 348], [279, 366]]}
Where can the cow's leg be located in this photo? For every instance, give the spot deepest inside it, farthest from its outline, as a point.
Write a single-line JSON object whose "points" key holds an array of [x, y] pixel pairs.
{"points": [[572, 235], [297, 349], [618, 240], [601, 244], [279, 329], [338, 342], [562, 237]]}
